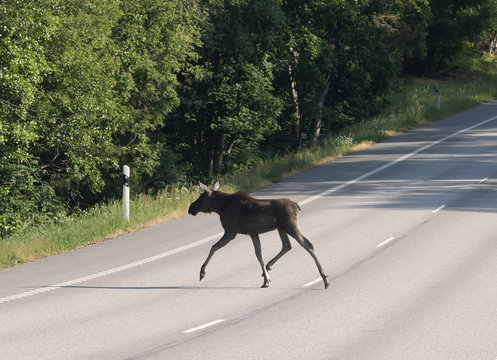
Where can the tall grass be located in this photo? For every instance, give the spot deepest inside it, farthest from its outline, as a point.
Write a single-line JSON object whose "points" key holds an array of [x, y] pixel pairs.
{"points": [[99, 223], [411, 106]]}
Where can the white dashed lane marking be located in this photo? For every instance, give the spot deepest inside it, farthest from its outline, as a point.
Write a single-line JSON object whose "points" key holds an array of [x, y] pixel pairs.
{"points": [[205, 326]]}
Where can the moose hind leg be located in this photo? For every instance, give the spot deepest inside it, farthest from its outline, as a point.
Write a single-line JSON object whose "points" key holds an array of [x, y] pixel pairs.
{"points": [[306, 244], [286, 246], [258, 253], [222, 242]]}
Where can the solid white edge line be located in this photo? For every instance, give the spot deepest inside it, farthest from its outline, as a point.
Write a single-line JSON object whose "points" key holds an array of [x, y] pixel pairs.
{"points": [[201, 327], [111, 271], [210, 238], [396, 161], [313, 282], [385, 242], [438, 209]]}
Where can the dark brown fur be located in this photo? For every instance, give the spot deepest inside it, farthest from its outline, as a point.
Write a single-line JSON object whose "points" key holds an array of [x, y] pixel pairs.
{"points": [[244, 214]]}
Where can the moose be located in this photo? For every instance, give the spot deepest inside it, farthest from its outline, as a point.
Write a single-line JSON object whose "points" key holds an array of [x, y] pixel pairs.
{"points": [[242, 213]]}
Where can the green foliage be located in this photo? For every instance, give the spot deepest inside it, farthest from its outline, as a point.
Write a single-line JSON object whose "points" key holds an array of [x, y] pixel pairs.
{"points": [[156, 41], [453, 26], [78, 106], [181, 90], [340, 64], [25, 197], [229, 104]]}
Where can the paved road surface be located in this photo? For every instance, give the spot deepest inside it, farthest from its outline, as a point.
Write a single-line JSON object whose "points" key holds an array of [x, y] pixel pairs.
{"points": [[407, 231]]}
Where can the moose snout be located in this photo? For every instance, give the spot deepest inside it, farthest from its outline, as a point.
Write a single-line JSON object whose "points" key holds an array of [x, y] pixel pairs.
{"points": [[192, 211]]}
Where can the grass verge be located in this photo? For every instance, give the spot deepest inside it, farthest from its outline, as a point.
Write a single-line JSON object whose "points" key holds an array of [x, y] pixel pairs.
{"points": [[410, 107]]}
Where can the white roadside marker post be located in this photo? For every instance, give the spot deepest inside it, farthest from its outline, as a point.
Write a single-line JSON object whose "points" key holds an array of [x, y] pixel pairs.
{"points": [[126, 192], [437, 97]]}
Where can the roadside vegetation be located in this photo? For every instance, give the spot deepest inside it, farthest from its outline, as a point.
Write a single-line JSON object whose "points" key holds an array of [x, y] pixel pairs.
{"points": [[412, 105], [247, 91]]}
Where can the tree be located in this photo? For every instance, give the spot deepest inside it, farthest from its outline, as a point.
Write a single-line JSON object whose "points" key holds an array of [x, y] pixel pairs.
{"points": [[229, 101], [24, 194], [487, 41], [340, 66], [406, 24], [78, 106], [452, 26], [83, 86], [156, 41]]}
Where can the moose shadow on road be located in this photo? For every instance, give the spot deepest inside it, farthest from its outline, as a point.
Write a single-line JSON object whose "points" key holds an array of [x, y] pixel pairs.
{"points": [[144, 288]]}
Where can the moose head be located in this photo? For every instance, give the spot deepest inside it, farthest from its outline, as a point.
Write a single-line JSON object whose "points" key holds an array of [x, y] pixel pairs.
{"points": [[205, 202]]}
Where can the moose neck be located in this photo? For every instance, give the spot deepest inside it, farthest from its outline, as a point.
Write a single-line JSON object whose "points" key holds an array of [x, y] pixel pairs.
{"points": [[219, 200]]}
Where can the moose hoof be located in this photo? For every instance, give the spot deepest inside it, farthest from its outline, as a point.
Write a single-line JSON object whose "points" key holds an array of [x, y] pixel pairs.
{"points": [[266, 283], [326, 282]]}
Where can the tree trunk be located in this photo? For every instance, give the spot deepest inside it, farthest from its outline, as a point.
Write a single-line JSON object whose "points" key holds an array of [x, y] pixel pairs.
{"points": [[210, 168], [218, 155], [493, 46], [295, 98], [319, 116]]}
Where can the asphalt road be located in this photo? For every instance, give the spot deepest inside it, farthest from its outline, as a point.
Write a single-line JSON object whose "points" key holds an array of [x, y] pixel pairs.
{"points": [[407, 231]]}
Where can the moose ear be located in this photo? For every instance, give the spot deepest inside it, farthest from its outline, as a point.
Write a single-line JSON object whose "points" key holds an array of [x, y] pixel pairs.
{"points": [[205, 188], [216, 186]]}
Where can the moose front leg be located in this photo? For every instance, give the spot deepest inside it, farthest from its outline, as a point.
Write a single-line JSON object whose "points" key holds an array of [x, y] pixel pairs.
{"points": [[258, 253], [227, 237]]}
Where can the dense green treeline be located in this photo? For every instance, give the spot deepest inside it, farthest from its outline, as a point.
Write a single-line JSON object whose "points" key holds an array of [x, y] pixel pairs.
{"points": [[180, 90]]}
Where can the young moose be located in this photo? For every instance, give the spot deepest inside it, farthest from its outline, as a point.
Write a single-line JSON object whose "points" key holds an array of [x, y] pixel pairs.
{"points": [[241, 213]]}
